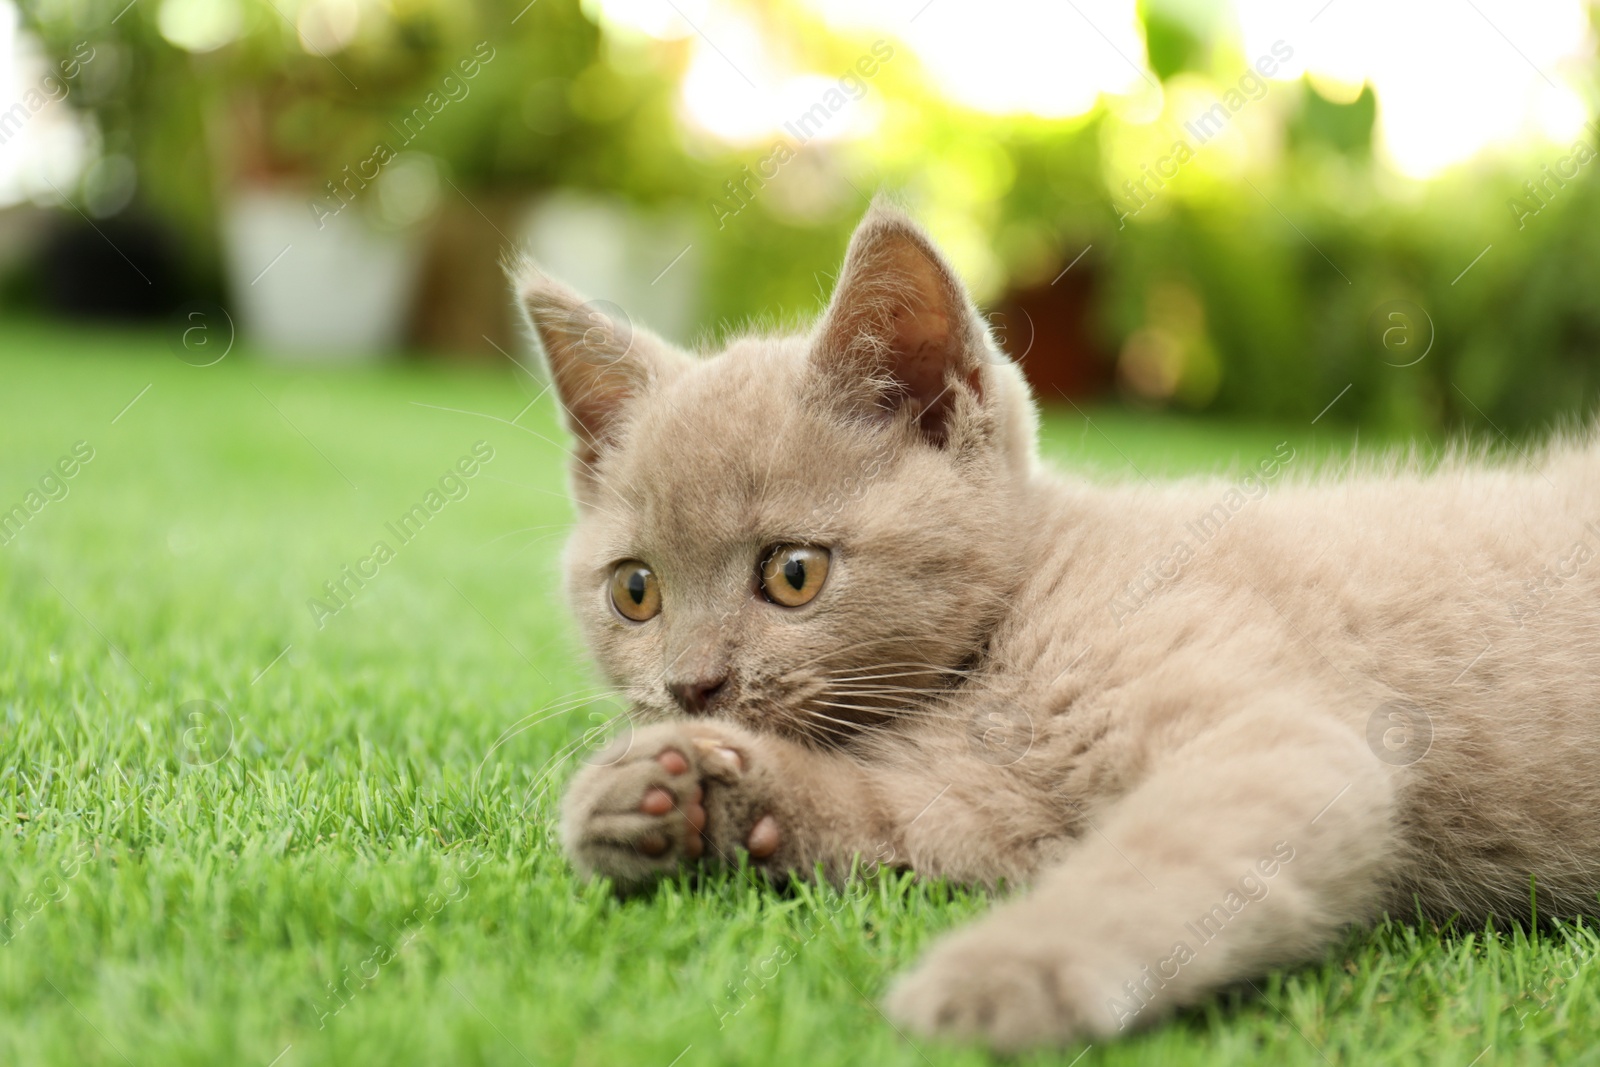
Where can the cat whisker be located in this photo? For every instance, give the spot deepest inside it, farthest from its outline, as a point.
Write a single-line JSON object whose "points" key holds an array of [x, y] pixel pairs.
{"points": [[534, 718], [579, 697], [912, 679], [936, 691], [921, 639], [890, 696], [850, 727], [526, 529], [827, 736], [870, 708], [863, 689], [548, 770], [904, 709], [535, 542], [878, 670]]}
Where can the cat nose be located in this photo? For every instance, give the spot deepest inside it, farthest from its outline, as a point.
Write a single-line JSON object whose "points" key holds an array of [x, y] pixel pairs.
{"points": [[696, 697]]}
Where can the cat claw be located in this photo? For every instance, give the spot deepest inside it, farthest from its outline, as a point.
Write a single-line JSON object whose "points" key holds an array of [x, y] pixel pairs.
{"points": [[638, 819], [710, 748]]}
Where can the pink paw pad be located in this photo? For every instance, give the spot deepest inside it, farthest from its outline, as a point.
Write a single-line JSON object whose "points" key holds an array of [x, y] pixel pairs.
{"points": [[764, 838], [659, 801]]}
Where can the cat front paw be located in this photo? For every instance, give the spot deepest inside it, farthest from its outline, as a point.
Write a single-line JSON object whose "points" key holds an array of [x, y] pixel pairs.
{"points": [[1003, 986], [665, 796]]}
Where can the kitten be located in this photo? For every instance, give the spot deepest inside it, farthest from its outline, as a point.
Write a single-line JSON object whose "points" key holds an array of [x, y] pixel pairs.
{"points": [[1206, 724]]}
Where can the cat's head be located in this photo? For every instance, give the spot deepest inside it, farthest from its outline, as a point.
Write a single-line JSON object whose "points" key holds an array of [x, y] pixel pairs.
{"points": [[802, 533]]}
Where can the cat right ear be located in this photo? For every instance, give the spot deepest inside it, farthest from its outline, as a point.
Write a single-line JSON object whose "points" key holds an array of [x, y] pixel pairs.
{"points": [[900, 333], [599, 360]]}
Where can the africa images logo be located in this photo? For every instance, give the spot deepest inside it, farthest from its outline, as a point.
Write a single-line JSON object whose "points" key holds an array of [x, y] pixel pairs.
{"points": [[453, 485]]}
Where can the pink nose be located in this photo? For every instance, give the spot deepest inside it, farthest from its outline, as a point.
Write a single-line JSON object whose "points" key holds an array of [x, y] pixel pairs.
{"points": [[696, 697]]}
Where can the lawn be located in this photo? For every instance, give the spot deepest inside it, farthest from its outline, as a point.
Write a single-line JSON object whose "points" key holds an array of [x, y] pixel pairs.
{"points": [[241, 827]]}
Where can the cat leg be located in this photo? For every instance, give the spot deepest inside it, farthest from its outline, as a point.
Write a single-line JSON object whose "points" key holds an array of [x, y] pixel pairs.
{"points": [[675, 793], [1248, 847]]}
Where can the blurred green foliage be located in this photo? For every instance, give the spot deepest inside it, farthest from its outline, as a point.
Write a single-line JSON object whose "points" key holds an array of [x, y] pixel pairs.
{"points": [[1266, 288], [1312, 280]]}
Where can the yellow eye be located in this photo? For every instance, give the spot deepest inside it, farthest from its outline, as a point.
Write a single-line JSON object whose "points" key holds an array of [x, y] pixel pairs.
{"points": [[635, 591], [792, 575]]}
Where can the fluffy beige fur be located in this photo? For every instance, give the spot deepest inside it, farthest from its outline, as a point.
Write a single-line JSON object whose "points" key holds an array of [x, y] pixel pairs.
{"points": [[1207, 724]]}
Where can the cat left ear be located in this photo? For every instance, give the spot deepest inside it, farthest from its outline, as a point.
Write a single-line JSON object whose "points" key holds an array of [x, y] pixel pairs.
{"points": [[902, 326], [600, 361]]}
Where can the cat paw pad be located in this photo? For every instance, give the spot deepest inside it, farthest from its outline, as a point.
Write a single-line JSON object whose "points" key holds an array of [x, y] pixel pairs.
{"points": [[660, 801], [647, 812]]}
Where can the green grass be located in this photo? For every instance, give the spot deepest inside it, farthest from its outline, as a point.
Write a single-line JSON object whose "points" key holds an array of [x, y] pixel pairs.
{"points": [[176, 891]]}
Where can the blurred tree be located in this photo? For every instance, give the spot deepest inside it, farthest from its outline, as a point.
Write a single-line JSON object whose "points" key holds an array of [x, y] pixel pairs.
{"points": [[1263, 278]]}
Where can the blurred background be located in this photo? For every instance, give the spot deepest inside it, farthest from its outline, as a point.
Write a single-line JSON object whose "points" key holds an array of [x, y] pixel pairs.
{"points": [[1375, 212]]}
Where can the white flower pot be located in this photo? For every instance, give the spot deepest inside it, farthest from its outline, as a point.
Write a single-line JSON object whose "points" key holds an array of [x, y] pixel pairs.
{"points": [[340, 290]]}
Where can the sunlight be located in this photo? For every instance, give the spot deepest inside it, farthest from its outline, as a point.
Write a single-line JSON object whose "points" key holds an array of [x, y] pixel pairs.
{"points": [[200, 25], [1012, 56], [42, 140], [732, 90], [1452, 79]]}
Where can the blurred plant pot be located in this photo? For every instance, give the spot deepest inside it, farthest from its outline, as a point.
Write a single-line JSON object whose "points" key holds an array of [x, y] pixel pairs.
{"points": [[336, 291]]}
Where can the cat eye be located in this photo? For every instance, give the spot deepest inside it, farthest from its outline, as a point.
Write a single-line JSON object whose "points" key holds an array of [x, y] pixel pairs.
{"points": [[635, 593], [792, 575]]}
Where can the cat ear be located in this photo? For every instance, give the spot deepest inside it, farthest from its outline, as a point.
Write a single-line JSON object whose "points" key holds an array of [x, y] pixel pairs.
{"points": [[599, 360], [901, 325]]}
